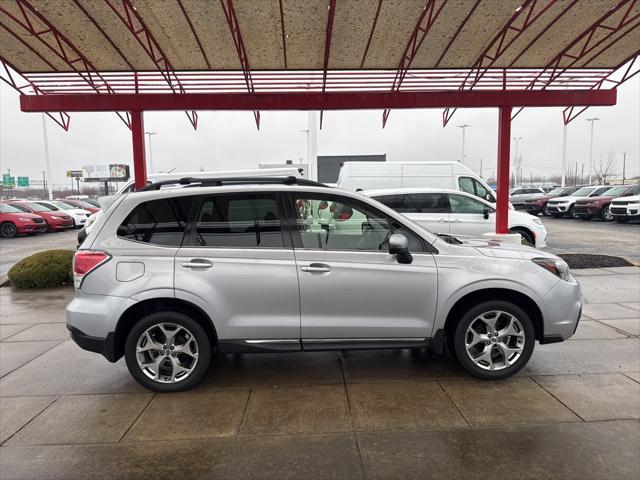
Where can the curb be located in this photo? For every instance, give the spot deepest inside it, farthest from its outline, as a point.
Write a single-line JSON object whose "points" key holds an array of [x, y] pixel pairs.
{"points": [[4, 281]]}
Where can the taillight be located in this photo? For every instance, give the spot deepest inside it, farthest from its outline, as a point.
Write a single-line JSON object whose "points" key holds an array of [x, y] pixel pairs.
{"points": [[85, 261]]}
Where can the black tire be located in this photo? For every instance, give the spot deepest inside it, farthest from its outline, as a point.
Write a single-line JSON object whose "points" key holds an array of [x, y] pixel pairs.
{"points": [[622, 220], [199, 335], [570, 213], [545, 211], [605, 214], [8, 230], [527, 237], [459, 340]]}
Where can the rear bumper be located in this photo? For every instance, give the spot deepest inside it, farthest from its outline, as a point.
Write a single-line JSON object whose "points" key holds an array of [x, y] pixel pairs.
{"points": [[104, 346]]}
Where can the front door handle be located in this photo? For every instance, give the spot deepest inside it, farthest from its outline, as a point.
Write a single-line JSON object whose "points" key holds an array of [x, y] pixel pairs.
{"points": [[197, 263], [316, 268]]}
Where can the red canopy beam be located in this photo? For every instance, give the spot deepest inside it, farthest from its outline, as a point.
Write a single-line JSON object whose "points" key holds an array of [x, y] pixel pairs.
{"points": [[31, 20], [425, 21], [327, 48], [518, 24], [8, 74], [502, 191], [232, 20], [594, 36], [134, 23], [631, 70], [90, 102]]}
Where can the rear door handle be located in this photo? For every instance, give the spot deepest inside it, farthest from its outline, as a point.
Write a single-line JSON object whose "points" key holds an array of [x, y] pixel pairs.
{"points": [[316, 268], [197, 263]]}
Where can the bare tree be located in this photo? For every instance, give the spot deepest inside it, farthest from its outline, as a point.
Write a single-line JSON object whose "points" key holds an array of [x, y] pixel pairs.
{"points": [[605, 169]]}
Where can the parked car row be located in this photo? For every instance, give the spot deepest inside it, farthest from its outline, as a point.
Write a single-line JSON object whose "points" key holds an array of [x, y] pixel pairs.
{"points": [[588, 202], [29, 217]]}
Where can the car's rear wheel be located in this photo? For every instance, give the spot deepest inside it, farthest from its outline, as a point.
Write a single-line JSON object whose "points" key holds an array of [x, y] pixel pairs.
{"points": [[494, 340], [606, 214], [168, 352], [545, 210], [8, 230], [527, 237]]}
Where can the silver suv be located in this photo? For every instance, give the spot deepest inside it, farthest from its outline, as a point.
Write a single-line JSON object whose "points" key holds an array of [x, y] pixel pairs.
{"points": [[169, 276]]}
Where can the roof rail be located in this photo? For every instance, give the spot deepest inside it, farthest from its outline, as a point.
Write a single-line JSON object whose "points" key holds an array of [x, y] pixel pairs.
{"points": [[220, 181]]}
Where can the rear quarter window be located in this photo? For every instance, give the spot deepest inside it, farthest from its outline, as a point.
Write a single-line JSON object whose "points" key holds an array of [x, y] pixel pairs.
{"points": [[158, 222]]}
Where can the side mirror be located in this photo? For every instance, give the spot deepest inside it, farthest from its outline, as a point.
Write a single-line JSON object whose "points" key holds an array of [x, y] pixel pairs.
{"points": [[485, 213], [399, 246]]}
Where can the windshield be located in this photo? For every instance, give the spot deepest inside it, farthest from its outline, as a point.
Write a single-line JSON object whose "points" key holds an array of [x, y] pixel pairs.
{"points": [[63, 206], [556, 191], [616, 191], [9, 209], [583, 192], [84, 204], [38, 207]]}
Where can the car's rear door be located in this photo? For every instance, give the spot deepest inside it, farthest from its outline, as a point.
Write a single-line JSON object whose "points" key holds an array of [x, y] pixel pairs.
{"points": [[352, 291], [237, 263]]}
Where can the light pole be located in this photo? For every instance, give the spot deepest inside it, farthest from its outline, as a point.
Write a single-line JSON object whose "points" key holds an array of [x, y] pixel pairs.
{"points": [[47, 162], [464, 130], [591, 120], [148, 134], [516, 162]]}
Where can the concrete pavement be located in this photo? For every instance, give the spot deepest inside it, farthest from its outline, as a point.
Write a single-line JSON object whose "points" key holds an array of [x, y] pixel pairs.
{"points": [[571, 413]]}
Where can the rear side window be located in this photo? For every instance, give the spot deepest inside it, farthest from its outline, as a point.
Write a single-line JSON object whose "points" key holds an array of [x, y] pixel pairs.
{"points": [[416, 202], [159, 222], [239, 221]]}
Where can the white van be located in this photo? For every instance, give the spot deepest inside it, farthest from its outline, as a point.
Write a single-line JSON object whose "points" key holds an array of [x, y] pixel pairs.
{"points": [[384, 175]]}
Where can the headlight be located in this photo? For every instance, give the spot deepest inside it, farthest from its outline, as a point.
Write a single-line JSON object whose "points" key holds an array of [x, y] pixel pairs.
{"points": [[556, 266], [537, 220], [24, 219], [55, 217]]}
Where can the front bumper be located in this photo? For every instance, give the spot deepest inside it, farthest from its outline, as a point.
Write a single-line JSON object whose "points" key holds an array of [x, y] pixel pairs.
{"points": [[562, 309], [557, 208], [32, 228], [532, 208], [586, 211]]}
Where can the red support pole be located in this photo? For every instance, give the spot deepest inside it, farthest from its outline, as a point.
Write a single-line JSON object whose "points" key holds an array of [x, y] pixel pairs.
{"points": [[504, 143], [139, 160]]}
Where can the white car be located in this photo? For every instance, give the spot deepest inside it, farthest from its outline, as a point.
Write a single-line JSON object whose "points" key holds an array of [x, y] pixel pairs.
{"points": [[79, 215], [451, 212], [561, 206], [624, 209]]}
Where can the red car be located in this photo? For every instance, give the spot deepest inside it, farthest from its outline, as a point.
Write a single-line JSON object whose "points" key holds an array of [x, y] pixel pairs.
{"points": [[81, 204], [14, 221], [56, 220], [601, 206]]}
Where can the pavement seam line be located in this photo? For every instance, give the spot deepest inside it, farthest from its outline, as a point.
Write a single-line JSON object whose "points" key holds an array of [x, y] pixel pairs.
{"points": [[30, 325], [153, 396], [32, 419], [454, 404], [552, 395], [354, 431], [626, 375], [60, 342], [244, 413]]}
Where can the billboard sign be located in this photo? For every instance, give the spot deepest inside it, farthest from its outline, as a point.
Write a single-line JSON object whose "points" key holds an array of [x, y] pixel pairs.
{"points": [[115, 172], [23, 181], [74, 173]]}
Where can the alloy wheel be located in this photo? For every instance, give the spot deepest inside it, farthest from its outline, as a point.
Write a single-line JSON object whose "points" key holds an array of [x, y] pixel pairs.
{"points": [[495, 340], [8, 230], [606, 214], [167, 352]]}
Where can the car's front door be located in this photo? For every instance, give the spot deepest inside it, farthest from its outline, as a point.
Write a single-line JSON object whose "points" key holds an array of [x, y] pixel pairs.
{"points": [[467, 216], [238, 265], [352, 291]]}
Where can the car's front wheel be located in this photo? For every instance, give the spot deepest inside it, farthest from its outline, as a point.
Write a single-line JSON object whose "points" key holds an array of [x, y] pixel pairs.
{"points": [[606, 214], [8, 230], [494, 340], [168, 352]]}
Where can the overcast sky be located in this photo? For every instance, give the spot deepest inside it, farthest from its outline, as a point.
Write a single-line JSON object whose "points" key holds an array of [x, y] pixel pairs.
{"points": [[230, 140]]}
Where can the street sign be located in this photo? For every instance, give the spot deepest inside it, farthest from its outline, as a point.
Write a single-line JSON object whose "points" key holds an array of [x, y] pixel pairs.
{"points": [[23, 181], [74, 173], [8, 180]]}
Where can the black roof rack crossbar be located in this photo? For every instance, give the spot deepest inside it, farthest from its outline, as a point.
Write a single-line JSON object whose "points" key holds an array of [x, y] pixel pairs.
{"points": [[220, 181]]}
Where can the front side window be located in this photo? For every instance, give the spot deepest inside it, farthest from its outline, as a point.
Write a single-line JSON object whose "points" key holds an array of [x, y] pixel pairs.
{"points": [[239, 221], [327, 222], [633, 191], [159, 222], [474, 187], [464, 204]]}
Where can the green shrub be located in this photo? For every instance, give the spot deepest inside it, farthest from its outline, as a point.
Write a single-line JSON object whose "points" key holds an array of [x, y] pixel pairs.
{"points": [[51, 268]]}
